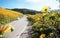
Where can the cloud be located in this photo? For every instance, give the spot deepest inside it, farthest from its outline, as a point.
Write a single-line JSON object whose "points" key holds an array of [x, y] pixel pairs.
{"points": [[33, 1], [39, 4]]}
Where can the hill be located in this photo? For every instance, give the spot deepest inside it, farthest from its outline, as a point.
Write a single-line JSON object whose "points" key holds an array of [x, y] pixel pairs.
{"points": [[26, 11], [8, 15], [29, 11]]}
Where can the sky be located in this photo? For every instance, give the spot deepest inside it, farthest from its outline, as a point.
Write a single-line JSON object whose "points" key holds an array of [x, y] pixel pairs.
{"points": [[29, 4]]}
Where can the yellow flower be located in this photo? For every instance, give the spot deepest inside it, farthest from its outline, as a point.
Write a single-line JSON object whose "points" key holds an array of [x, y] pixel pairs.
{"points": [[8, 29], [5, 14], [45, 9], [35, 23], [42, 36]]}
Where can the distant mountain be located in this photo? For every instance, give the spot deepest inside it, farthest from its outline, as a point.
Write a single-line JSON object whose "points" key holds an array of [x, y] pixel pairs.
{"points": [[26, 11], [29, 11]]}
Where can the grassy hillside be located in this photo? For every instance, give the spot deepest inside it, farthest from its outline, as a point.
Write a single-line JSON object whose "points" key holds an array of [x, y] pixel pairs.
{"points": [[8, 15]]}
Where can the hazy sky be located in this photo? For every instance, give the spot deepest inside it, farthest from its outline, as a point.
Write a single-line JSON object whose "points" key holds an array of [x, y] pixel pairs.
{"points": [[30, 4]]}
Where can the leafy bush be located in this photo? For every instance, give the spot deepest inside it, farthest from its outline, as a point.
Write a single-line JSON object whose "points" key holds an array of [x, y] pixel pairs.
{"points": [[48, 24]]}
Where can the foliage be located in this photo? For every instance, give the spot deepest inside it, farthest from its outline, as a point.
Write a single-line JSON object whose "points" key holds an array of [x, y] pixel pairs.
{"points": [[8, 16], [45, 23], [5, 28]]}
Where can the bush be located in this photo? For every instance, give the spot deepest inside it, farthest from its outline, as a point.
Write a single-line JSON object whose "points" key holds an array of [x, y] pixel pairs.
{"points": [[48, 24]]}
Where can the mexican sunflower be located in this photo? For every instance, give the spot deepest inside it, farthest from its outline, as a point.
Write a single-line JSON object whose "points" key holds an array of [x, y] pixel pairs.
{"points": [[45, 9], [6, 28]]}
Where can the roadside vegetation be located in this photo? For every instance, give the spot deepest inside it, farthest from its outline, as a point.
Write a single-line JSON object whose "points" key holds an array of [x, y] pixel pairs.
{"points": [[7, 16], [45, 24]]}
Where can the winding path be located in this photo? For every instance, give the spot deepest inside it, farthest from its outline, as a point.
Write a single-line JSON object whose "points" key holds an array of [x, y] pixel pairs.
{"points": [[20, 25]]}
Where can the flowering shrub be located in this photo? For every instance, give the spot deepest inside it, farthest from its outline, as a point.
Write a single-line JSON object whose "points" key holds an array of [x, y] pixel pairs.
{"points": [[47, 24]]}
